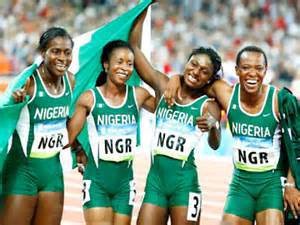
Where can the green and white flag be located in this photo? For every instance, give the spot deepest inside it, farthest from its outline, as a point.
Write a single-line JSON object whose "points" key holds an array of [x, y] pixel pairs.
{"points": [[86, 67]]}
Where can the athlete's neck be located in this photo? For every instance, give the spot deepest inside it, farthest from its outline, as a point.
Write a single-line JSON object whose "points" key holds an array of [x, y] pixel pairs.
{"points": [[54, 83], [113, 94], [189, 94], [252, 102]]}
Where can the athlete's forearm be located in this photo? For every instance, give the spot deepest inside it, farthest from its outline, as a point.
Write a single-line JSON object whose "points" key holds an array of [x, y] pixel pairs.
{"points": [[75, 125], [214, 137]]}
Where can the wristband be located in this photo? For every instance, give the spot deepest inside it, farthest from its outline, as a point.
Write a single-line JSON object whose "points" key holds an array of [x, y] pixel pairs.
{"points": [[212, 122]]}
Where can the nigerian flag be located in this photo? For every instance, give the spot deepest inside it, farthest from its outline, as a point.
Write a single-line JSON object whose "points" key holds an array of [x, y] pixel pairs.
{"points": [[86, 67]]}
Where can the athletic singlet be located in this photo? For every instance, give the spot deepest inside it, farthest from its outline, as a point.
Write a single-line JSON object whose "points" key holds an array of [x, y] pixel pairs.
{"points": [[256, 136], [176, 132], [113, 129], [42, 123]]}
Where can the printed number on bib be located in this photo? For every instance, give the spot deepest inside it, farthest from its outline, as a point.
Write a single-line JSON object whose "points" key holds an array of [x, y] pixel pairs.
{"points": [[86, 191], [49, 139], [255, 159], [117, 148], [194, 206], [132, 193], [173, 144]]}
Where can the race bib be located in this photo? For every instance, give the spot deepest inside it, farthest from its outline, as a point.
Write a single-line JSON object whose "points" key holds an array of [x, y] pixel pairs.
{"points": [[86, 191], [117, 148], [194, 207], [49, 139], [255, 159], [177, 145], [132, 193]]}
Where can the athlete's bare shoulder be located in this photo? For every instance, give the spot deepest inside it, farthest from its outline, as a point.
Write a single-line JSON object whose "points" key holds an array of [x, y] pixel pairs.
{"points": [[222, 86], [141, 92], [86, 99], [221, 90], [145, 99]]}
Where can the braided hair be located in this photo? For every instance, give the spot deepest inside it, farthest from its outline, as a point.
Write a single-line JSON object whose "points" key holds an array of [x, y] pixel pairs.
{"points": [[215, 59]]}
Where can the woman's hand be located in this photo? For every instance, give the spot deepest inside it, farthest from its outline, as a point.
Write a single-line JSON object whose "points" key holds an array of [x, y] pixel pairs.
{"points": [[292, 199], [207, 122], [173, 90], [19, 95], [81, 160]]}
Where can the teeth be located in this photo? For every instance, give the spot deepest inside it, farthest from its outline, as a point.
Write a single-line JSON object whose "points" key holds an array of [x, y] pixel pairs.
{"points": [[192, 79], [251, 82], [60, 66], [122, 75]]}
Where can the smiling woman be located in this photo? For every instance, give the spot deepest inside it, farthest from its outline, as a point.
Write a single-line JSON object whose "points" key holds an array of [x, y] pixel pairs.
{"points": [[112, 113], [253, 117], [177, 195], [33, 181]]}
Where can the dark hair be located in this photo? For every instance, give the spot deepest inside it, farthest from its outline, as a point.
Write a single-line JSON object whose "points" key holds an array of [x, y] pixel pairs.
{"points": [[106, 54], [52, 33], [215, 59], [250, 48]]}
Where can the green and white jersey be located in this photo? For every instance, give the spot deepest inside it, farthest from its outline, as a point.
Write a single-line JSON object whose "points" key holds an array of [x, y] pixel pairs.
{"points": [[176, 133], [42, 123], [257, 136], [113, 129]]}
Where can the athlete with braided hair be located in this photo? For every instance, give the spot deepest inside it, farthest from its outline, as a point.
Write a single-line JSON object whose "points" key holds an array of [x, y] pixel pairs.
{"points": [[255, 192], [172, 188]]}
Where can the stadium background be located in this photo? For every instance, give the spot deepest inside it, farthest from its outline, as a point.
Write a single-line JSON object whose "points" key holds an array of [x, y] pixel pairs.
{"points": [[177, 27]]}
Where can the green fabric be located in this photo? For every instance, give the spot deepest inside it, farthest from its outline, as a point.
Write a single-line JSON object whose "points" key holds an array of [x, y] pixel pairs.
{"points": [[116, 125], [169, 183], [10, 112], [175, 128], [256, 144], [89, 69], [289, 109], [43, 119], [252, 192], [111, 185]]}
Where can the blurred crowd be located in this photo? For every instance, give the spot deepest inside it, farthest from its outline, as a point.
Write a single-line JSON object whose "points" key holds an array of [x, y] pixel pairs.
{"points": [[177, 27]]}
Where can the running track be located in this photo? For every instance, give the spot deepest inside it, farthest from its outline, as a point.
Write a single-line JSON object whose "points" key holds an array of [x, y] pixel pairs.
{"points": [[215, 175]]}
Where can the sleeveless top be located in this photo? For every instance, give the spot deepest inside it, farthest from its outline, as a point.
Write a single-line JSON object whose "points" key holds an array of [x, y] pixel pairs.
{"points": [[176, 133], [113, 129], [257, 136], [42, 124]]}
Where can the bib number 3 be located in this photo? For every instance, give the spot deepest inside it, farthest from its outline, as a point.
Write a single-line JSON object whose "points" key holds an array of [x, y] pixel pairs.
{"points": [[194, 206], [86, 191], [132, 192]]}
